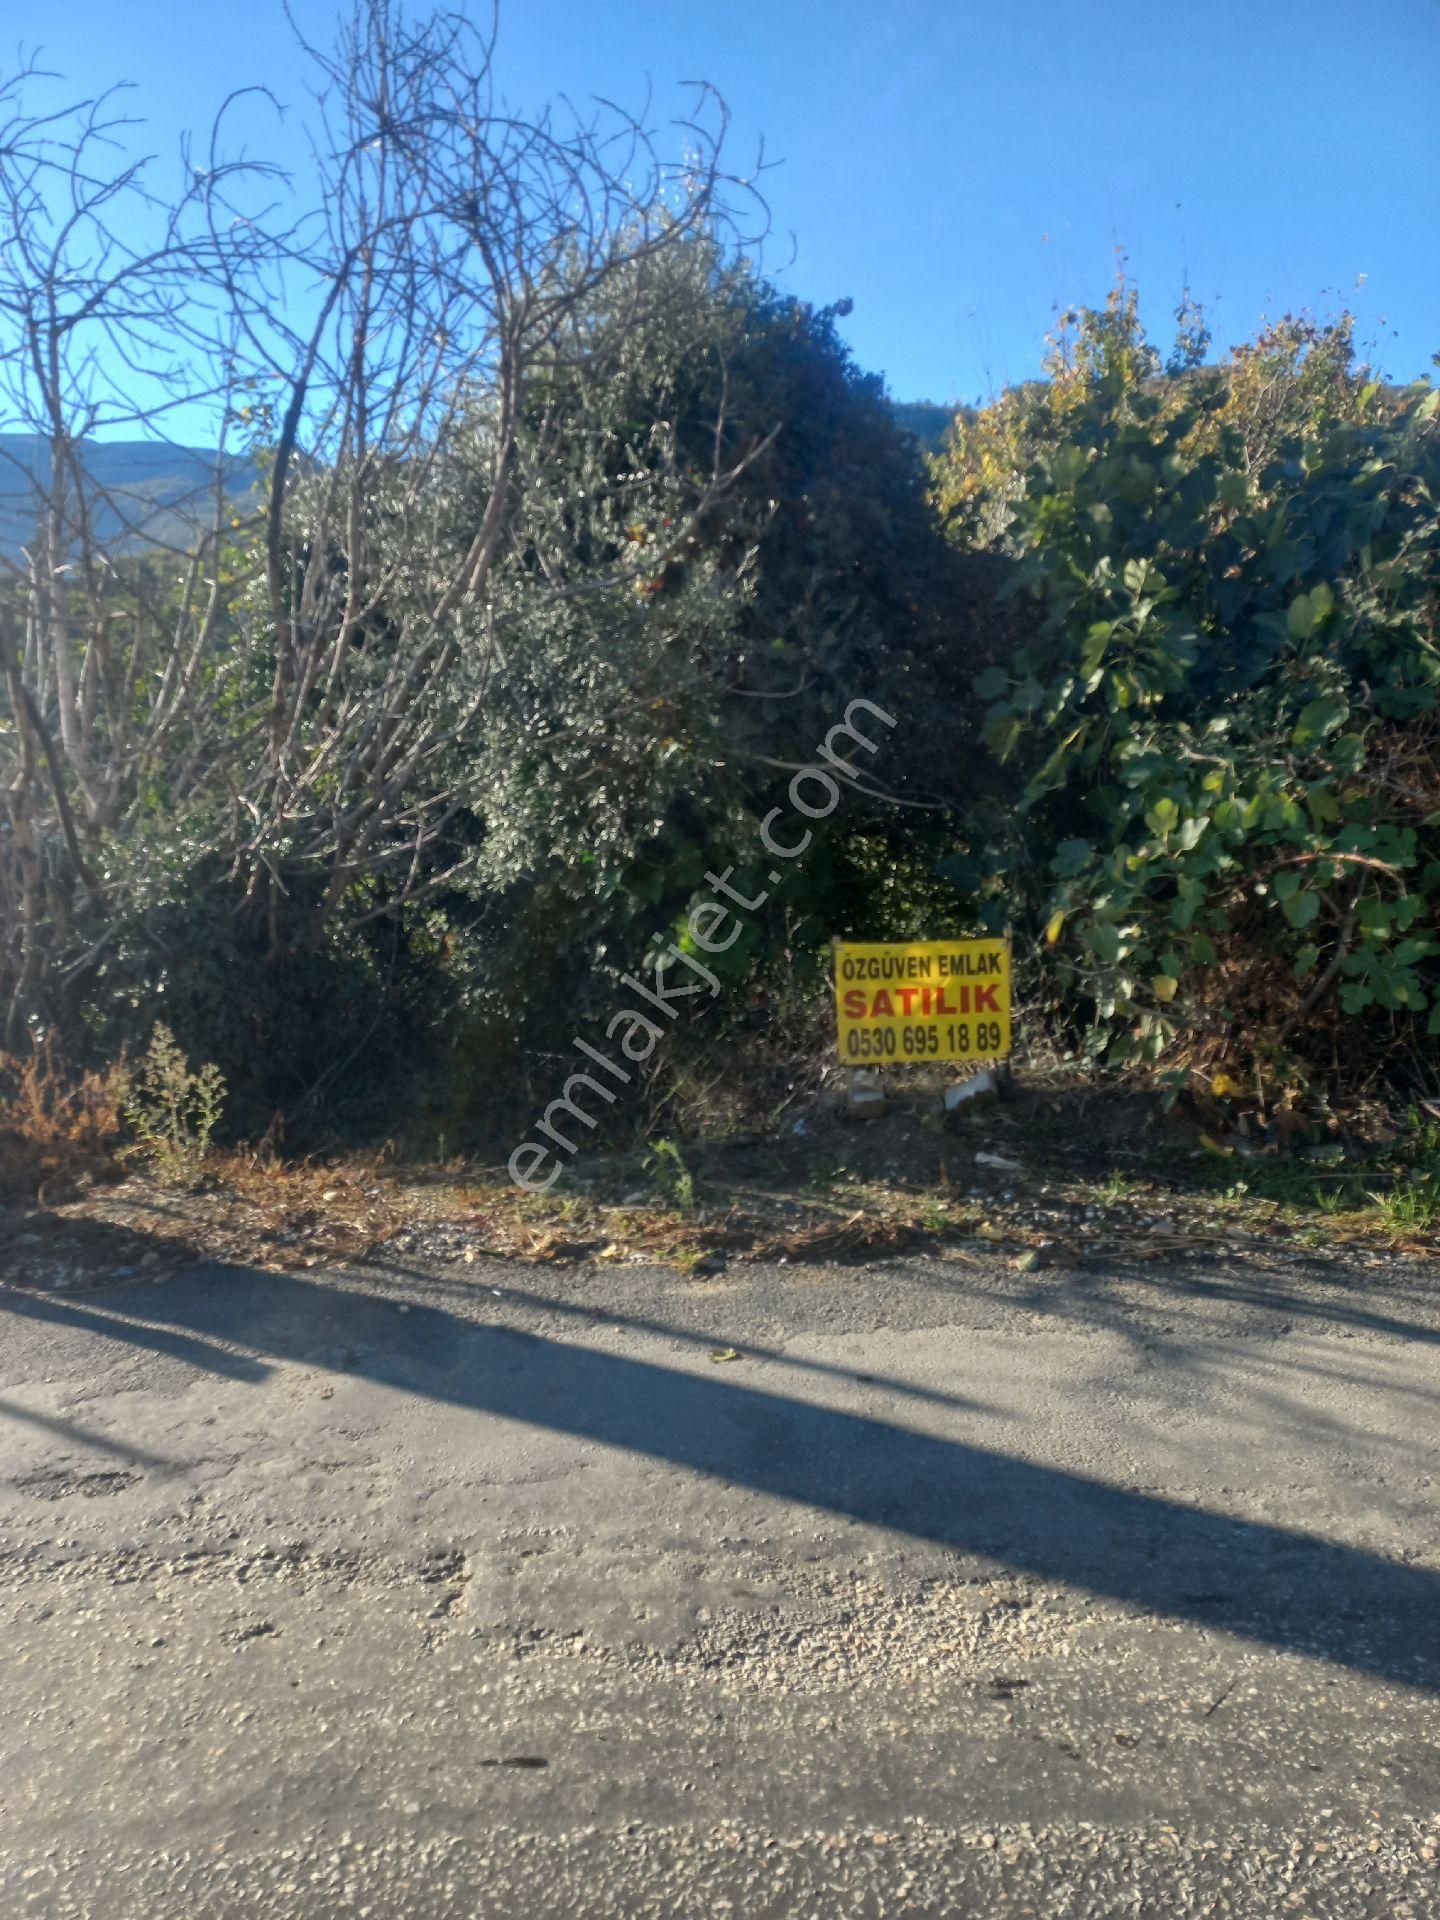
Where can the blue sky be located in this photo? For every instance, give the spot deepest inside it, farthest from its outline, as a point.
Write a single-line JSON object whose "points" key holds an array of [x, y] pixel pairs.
{"points": [[963, 170]]}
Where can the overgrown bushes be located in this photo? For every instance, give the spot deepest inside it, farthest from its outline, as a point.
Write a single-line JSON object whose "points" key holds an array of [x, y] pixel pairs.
{"points": [[568, 533], [1225, 841], [572, 537]]}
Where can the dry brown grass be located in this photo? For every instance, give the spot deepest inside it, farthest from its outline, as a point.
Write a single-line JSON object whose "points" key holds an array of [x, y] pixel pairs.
{"points": [[300, 1213], [59, 1129]]}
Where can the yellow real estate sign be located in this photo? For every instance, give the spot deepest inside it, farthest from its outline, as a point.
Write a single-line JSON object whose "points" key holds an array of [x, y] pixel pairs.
{"points": [[922, 1000]]}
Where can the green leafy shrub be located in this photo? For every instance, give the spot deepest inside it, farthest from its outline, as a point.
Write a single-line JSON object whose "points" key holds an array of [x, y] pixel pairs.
{"points": [[616, 775], [1225, 837], [670, 1176], [172, 1111]]}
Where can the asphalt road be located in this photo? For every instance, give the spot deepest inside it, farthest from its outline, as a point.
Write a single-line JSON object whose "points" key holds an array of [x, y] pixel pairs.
{"points": [[500, 1591]]}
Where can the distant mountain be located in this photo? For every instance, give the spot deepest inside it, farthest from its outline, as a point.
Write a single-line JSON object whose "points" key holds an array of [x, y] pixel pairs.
{"points": [[923, 418], [144, 492]]}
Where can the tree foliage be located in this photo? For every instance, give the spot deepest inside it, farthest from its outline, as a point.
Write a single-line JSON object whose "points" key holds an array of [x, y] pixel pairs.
{"points": [[650, 730], [573, 535], [1226, 839], [254, 743]]}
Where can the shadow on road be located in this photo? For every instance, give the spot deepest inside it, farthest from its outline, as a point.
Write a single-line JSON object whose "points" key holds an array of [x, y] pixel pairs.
{"points": [[78, 1436], [1274, 1586]]}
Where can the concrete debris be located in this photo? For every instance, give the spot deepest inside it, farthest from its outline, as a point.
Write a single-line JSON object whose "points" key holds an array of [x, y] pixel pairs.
{"points": [[865, 1098], [968, 1096], [999, 1162]]}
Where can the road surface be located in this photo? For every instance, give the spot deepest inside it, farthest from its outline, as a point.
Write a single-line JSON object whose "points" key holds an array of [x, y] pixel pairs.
{"points": [[926, 1588]]}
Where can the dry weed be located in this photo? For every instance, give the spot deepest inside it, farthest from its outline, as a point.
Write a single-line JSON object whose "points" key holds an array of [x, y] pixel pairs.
{"points": [[58, 1128]]}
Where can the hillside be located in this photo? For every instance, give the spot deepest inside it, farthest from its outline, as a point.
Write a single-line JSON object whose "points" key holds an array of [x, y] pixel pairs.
{"points": [[925, 419], [146, 492]]}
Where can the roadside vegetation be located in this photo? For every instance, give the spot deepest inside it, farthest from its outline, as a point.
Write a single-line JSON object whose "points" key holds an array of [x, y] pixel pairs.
{"points": [[328, 826], [1222, 834]]}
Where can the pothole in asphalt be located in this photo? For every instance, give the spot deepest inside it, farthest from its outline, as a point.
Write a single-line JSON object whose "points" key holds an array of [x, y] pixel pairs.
{"points": [[252, 1630], [868, 1634], [54, 1483]]}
